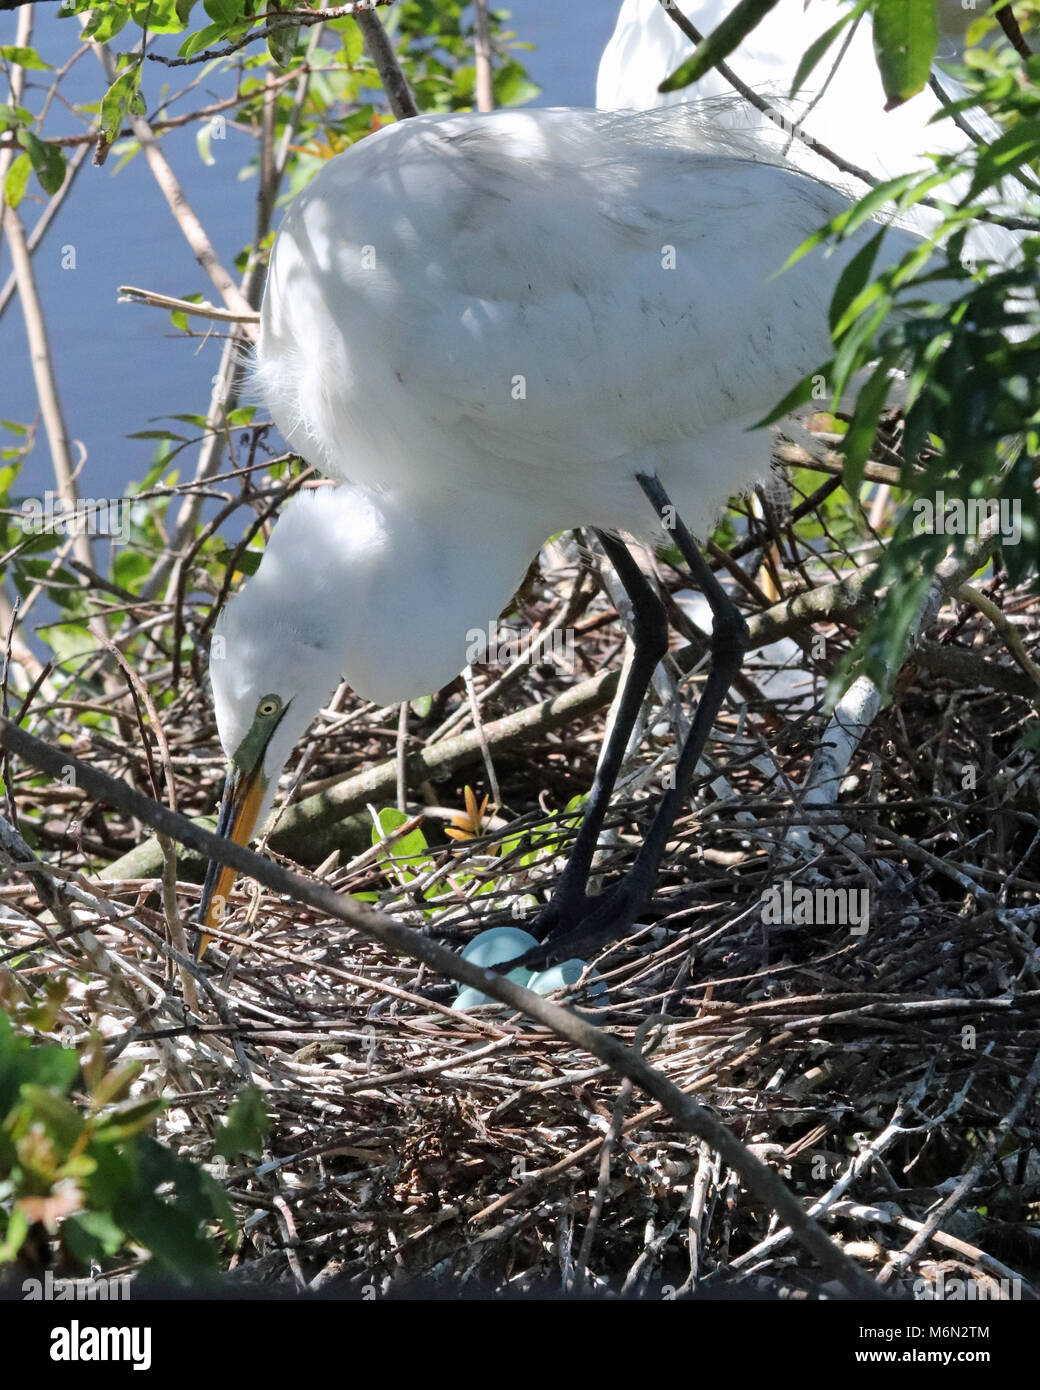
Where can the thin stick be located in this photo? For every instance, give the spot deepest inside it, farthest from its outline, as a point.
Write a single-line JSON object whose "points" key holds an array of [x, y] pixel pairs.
{"points": [[130, 294], [391, 74], [1005, 17], [482, 50], [402, 757]]}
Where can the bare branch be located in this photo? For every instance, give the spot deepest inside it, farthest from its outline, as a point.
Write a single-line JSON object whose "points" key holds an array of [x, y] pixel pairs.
{"points": [[130, 294], [1005, 17], [482, 49], [381, 51], [288, 19]]}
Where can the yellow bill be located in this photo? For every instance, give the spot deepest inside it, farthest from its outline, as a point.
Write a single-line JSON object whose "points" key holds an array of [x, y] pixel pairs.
{"points": [[239, 809]]}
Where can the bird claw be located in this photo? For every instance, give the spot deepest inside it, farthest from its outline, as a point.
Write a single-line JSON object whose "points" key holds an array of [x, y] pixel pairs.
{"points": [[585, 926]]}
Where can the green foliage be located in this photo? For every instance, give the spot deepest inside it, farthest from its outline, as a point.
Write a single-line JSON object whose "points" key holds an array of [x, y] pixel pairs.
{"points": [[816, 51], [76, 1160], [245, 1126], [407, 856], [906, 33], [47, 161], [972, 361], [719, 44], [122, 98]]}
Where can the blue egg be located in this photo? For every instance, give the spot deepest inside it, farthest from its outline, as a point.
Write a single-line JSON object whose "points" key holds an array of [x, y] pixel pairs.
{"points": [[562, 976], [492, 948], [499, 944]]}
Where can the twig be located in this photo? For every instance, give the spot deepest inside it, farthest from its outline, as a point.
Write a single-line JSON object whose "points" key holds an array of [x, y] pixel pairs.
{"points": [[968, 594], [1005, 17], [290, 19], [130, 294], [391, 74], [861, 701], [43, 222], [968, 1180], [482, 51]]}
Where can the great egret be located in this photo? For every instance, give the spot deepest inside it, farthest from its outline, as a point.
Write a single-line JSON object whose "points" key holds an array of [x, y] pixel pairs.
{"points": [[846, 111], [492, 328]]}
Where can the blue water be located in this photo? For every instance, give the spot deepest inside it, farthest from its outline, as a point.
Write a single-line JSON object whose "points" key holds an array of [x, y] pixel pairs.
{"points": [[120, 367]]}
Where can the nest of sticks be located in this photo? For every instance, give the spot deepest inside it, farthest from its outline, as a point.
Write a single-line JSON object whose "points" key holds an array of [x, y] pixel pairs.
{"points": [[888, 1075]]}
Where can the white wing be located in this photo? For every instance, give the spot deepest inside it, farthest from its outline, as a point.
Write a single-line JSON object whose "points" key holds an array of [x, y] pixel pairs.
{"points": [[536, 305]]}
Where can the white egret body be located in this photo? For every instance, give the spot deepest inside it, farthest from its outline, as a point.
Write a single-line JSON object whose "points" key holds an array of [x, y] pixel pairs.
{"points": [[487, 327], [849, 116]]}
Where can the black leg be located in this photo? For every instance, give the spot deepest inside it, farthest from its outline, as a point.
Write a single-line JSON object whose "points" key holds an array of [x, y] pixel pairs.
{"points": [[650, 638], [729, 637], [612, 914]]}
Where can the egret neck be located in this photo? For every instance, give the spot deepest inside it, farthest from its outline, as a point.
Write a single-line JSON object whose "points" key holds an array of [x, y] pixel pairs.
{"points": [[368, 587]]}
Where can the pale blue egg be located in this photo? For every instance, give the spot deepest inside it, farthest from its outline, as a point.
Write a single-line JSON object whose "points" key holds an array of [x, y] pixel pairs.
{"points": [[499, 944], [562, 976], [492, 948]]}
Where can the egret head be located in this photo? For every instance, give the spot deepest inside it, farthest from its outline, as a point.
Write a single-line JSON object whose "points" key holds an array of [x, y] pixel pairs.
{"points": [[272, 665], [349, 587]]}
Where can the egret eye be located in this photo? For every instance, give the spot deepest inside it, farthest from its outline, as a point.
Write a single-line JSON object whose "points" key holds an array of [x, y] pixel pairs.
{"points": [[268, 706]]}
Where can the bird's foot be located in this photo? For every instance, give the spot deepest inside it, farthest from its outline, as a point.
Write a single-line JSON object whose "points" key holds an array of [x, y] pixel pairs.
{"points": [[560, 910], [583, 927]]}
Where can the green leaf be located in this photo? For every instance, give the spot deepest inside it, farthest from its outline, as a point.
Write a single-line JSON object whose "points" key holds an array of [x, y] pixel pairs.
{"points": [[512, 86], [860, 437], [17, 180], [906, 33], [408, 854], [798, 396], [1017, 146], [126, 1121], [122, 97], [14, 1237], [195, 43], [282, 43], [246, 1124], [47, 161], [158, 16], [60, 1117], [115, 1084], [68, 642], [105, 22], [853, 280], [14, 115], [47, 1066], [223, 12], [203, 138], [24, 57], [90, 1235], [719, 44], [352, 40], [247, 563], [812, 55]]}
